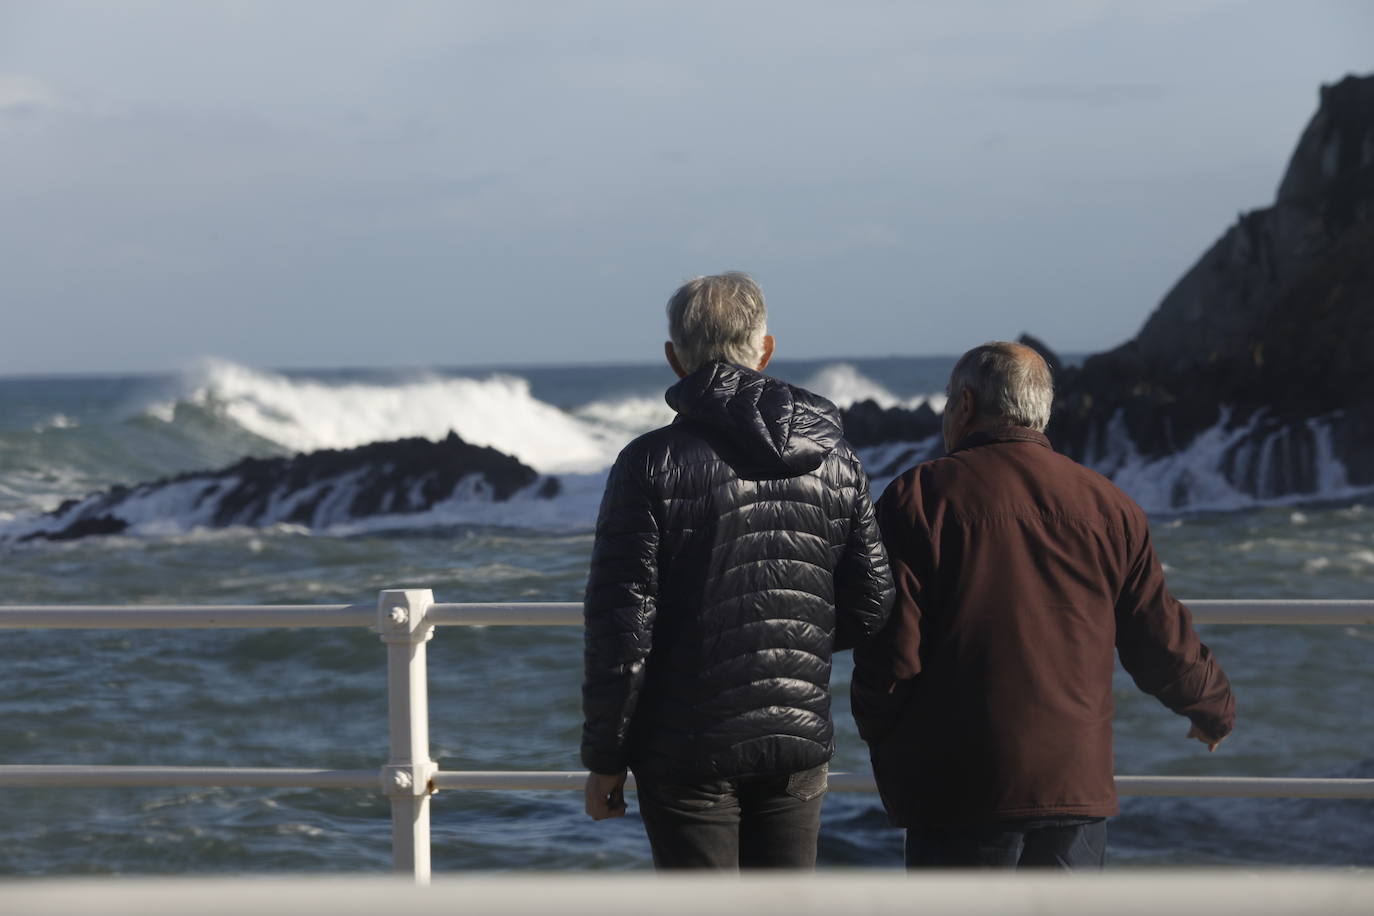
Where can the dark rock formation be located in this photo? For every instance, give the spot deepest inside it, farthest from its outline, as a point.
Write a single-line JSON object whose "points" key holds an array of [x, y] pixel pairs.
{"points": [[865, 423], [314, 489], [1271, 331], [1268, 338], [82, 527]]}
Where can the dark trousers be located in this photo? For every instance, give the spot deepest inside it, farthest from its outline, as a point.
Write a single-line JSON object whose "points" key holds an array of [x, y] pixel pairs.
{"points": [[755, 821], [1064, 843]]}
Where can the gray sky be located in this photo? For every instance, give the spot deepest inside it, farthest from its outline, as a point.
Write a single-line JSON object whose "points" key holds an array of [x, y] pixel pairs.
{"points": [[337, 183]]}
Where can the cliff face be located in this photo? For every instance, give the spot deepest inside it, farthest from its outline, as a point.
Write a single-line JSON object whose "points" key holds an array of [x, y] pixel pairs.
{"points": [[1270, 333], [1259, 363]]}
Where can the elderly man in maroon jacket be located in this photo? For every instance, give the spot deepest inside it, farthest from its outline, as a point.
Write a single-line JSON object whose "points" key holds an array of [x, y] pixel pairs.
{"points": [[987, 700]]}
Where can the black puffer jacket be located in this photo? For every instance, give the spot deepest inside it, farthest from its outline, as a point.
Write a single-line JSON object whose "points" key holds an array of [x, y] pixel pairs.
{"points": [[733, 546]]}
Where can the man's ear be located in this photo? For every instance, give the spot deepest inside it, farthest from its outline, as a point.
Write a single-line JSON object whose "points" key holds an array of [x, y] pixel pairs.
{"points": [[768, 344], [669, 352]]}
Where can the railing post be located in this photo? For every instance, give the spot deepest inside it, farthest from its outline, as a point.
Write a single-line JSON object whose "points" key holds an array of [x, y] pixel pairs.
{"points": [[407, 779]]}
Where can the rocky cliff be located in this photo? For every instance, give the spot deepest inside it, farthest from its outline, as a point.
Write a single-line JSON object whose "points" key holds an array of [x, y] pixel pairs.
{"points": [[1269, 336], [1264, 348]]}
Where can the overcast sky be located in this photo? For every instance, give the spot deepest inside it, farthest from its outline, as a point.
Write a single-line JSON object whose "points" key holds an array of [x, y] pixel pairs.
{"points": [[335, 183]]}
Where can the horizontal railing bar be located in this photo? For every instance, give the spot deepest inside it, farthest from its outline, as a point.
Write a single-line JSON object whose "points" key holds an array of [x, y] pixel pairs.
{"points": [[1278, 611], [67, 776], [508, 614], [514, 780], [18, 776], [141, 617], [1243, 787], [1177, 786], [1316, 612]]}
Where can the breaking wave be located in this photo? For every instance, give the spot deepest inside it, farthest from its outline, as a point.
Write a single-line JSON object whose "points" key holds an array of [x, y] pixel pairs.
{"points": [[1230, 467], [498, 410], [846, 386], [306, 415], [226, 411]]}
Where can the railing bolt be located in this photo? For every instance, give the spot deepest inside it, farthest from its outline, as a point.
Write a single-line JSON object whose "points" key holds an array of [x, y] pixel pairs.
{"points": [[399, 616]]}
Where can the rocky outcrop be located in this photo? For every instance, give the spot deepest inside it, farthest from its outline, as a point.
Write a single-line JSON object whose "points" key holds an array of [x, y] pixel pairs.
{"points": [[315, 489], [1270, 333], [1266, 343], [865, 423]]}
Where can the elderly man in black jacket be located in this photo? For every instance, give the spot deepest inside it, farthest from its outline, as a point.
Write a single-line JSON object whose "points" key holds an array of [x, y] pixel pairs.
{"points": [[736, 549]]}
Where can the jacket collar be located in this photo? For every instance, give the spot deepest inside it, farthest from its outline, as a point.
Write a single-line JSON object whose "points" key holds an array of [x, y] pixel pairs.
{"points": [[1002, 434]]}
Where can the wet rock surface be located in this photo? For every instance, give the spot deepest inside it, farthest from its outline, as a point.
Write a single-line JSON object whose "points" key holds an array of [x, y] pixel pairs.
{"points": [[313, 489]]}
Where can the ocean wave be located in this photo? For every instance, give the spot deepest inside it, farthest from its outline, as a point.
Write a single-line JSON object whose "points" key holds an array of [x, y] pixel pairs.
{"points": [[56, 421], [1226, 468], [846, 386], [573, 509], [499, 410], [231, 410], [307, 415], [629, 416]]}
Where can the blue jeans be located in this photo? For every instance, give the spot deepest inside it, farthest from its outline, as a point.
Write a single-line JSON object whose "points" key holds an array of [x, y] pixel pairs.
{"points": [[1053, 842], [754, 821]]}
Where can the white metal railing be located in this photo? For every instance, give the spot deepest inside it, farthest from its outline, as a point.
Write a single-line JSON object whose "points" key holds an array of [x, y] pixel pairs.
{"points": [[405, 620]]}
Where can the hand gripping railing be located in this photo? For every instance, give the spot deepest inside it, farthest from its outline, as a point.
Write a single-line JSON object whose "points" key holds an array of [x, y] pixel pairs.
{"points": [[405, 620]]}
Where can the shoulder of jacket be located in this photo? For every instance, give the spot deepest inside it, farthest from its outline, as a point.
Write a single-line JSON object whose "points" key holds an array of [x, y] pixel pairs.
{"points": [[843, 454], [652, 452], [1102, 484], [924, 471]]}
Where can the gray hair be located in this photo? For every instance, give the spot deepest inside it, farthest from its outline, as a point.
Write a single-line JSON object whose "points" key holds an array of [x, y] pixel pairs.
{"points": [[1011, 384], [718, 318]]}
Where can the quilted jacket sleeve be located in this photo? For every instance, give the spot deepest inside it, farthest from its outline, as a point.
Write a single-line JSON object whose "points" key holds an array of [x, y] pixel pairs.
{"points": [[619, 609], [863, 581], [885, 668], [1162, 653]]}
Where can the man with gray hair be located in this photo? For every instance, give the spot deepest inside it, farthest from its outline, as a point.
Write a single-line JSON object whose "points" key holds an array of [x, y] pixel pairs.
{"points": [[987, 700], [735, 550]]}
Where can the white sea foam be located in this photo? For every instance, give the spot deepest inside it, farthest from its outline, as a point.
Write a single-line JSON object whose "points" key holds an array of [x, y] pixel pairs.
{"points": [[497, 410], [845, 386], [187, 508], [56, 421], [630, 416], [27, 490], [1194, 478], [166, 411], [573, 509], [578, 446]]}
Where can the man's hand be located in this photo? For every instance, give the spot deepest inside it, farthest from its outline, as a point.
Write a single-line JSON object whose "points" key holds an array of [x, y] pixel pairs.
{"points": [[605, 795], [1199, 734]]}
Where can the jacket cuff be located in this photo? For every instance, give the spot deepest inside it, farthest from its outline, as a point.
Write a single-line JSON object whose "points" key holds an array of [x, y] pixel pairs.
{"points": [[1217, 725], [605, 764]]}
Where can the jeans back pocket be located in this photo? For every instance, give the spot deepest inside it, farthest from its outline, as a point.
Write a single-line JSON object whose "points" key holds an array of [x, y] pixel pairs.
{"points": [[805, 785]]}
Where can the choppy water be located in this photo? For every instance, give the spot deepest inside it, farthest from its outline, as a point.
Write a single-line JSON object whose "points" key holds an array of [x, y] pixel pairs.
{"points": [[509, 698]]}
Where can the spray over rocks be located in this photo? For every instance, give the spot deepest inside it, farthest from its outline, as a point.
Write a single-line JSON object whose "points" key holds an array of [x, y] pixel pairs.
{"points": [[316, 490]]}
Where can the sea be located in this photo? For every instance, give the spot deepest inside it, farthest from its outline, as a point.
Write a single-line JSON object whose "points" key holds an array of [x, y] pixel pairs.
{"points": [[508, 698]]}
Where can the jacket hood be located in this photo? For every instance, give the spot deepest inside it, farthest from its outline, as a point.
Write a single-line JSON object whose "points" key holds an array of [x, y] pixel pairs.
{"points": [[775, 429]]}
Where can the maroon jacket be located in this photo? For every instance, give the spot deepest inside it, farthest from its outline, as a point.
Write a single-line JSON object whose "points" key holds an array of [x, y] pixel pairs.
{"points": [[989, 694]]}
